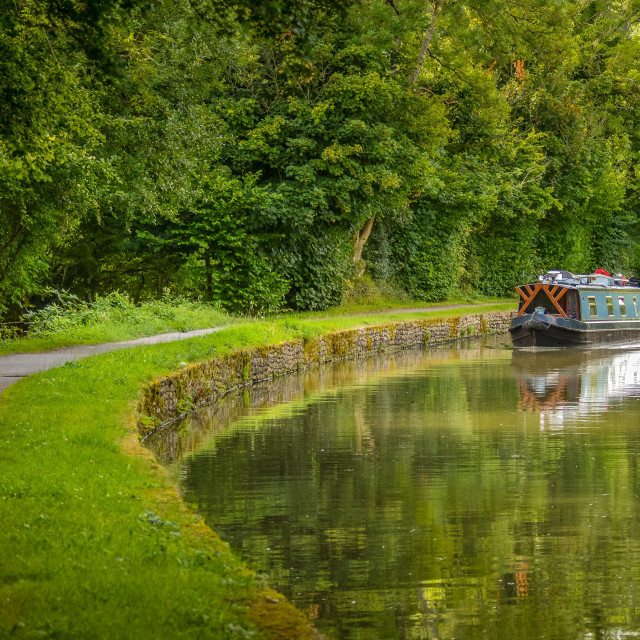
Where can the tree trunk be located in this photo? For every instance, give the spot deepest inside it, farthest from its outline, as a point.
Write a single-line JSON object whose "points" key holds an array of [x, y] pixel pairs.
{"points": [[12, 239], [426, 41], [361, 240]]}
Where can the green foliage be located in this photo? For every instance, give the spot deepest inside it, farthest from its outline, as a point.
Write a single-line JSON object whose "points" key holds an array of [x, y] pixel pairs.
{"points": [[317, 268], [47, 135], [117, 314], [364, 292], [237, 153], [429, 254], [322, 135]]}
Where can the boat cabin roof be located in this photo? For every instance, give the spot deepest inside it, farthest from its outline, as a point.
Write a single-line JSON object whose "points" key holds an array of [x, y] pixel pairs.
{"points": [[568, 279]]}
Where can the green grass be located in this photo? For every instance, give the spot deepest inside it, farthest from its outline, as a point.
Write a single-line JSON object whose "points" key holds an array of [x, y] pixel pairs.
{"points": [[309, 326], [91, 547], [394, 308], [366, 295], [112, 319], [115, 318], [94, 545]]}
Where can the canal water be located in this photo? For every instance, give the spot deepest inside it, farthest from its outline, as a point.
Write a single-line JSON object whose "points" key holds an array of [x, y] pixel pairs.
{"points": [[468, 492]]}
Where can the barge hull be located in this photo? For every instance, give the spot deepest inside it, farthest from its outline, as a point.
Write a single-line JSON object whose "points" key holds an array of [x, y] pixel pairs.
{"points": [[535, 331]]}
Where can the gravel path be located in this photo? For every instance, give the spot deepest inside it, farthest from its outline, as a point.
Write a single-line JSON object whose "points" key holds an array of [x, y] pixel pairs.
{"points": [[18, 365]]}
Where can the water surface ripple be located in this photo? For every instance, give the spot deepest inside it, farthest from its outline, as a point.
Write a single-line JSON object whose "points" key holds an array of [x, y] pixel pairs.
{"points": [[474, 492]]}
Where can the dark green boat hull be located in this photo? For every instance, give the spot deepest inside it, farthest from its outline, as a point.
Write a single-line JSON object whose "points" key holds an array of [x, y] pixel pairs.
{"points": [[542, 330]]}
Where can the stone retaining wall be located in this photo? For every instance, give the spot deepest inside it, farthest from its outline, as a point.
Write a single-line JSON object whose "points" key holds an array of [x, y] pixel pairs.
{"points": [[169, 397]]}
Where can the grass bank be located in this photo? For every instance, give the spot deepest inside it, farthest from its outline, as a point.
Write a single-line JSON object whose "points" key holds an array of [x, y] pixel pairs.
{"points": [[115, 318], [96, 543], [112, 318]]}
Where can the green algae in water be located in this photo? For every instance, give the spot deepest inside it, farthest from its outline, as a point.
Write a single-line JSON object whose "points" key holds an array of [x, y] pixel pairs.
{"points": [[456, 493]]}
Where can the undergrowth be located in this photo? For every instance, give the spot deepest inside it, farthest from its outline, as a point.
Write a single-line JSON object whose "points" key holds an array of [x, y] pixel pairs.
{"points": [[114, 317]]}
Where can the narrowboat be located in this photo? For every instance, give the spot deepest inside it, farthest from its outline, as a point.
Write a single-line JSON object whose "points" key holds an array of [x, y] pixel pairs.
{"points": [[563, 309]]}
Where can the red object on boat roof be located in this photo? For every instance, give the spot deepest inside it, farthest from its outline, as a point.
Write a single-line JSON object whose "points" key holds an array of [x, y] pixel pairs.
{"points": [[602, 272]]}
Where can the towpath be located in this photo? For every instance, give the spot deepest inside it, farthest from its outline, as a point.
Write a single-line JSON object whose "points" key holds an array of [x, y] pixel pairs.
{"points": [[18, 365], [418, 309]]}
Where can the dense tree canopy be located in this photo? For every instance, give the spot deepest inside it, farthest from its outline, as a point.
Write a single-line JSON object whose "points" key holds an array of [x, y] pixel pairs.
{"points": [[266, 154]]}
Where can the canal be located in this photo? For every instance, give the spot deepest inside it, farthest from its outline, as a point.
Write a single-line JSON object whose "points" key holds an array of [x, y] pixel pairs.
{"points": [[467, 492]]}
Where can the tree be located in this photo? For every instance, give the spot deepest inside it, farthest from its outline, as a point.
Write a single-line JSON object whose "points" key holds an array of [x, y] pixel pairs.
{"points": [[47, 136]]}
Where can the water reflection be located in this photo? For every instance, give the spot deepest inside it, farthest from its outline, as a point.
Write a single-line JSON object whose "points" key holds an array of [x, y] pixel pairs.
{"points": [[467, 493], [566, 387]]}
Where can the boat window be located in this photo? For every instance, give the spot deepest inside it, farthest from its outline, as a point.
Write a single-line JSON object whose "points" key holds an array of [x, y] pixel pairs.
{"points": [[635, 304], [610, 306], [593, 306], [572, 305], [541, 299], [622, 305]]}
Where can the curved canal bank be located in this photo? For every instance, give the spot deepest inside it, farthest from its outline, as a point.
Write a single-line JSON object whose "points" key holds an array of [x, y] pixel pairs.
{"points": [[169, 397], [99, 544]]}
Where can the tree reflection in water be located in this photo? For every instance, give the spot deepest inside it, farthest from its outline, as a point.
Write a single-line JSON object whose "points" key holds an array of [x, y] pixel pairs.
{"points": [[457, 493]]}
